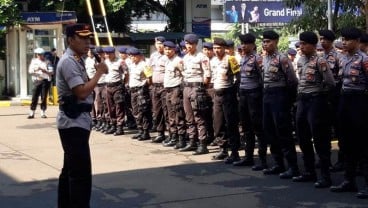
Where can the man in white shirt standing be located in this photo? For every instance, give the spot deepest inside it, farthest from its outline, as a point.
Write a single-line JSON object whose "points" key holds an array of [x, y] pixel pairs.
{"points": [[41, 72]]}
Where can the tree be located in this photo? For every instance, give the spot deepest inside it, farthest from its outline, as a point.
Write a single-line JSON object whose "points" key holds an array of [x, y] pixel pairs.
{"points": [[9, 13], [345, 13]]}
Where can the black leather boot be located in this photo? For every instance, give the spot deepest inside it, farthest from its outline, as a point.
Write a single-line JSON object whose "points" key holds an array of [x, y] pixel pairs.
{"points": [[181, 142], [119, 131], [191, 146], [172, 142], [145, 136], [202, 148], [102, 126], [246, 161], [106, 127], [111, 130], [138, 135], [159, 138]]}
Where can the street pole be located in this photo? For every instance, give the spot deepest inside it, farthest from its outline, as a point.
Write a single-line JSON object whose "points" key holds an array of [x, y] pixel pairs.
{"points": [[329, 14]]}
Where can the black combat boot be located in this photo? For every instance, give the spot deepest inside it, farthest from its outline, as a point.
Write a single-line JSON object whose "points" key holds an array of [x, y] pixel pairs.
{"points": [[262, 166], [191, 146], [138, 135], [106, 127], [181, 142], [202, 148], [102, 126], [234, 157], [111, 130], [119, 131], [223, 154], [246, 161], [159, 138], [145, 136], [97, 126], [172, 142]]}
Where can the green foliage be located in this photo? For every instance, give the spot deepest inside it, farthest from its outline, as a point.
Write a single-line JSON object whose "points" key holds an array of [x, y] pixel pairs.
{"points": [[9, 13]]}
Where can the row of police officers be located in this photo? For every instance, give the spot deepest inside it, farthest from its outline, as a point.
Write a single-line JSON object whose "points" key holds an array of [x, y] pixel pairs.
{"points": [[200, 96]]}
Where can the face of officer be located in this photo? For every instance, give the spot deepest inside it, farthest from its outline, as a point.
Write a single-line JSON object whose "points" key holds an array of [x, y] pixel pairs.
{"points": [[110, 56], [208, 52], [159, 46], [230, 51], [307, 48], [350, 45], [123, 56], [136, 58], [191, 47], [269, 45], [79, 44], [219, 50], [325, 43], [169, 52], [247, 48]]}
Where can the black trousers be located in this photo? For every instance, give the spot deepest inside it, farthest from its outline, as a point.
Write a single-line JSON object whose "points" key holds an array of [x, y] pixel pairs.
{"points": [[354, 122], [75, 181], [312, 121], [277, 126], [40, 88]]}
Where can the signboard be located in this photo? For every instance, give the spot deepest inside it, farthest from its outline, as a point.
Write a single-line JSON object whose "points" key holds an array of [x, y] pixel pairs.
{"points": [[259, 12], [49, 17], [201, 17]]}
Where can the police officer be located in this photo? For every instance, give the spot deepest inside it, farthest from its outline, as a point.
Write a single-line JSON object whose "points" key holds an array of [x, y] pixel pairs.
{"points": [[250, 104], [279, 93], [129, 120], [312, 116], [225, 70], [352, 110], [159, 109], [114, 91], [174, 96], [139, 75], [326, 38], [197, 74]]}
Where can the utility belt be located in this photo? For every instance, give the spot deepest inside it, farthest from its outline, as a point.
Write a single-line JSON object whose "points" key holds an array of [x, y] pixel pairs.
{"points": [[158, 85], [170, 89], [114, 84], [193, 84], [71, 108], [223, 91], [246, 91], [304, 96], [135, 89], [271, 90]]}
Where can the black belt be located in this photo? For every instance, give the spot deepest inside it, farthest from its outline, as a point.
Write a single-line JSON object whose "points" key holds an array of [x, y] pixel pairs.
{"points": [[169, 89], [221, 92], [258, 89], [81, 107], [158, 84], [114, 84], [354, 92], [310, 95], [135, 89], [193, 84], [274, 89]]}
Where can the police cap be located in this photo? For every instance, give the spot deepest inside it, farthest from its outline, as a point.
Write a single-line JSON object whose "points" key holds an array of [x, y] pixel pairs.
{"points": [[327, 34], [291, 52], [308, 37], [229, 43], [79, 29], [99, 49], [270, 34], [92, 46], [219, 41], [160, 39], [169, 44], [247, 38], [208, 45], [191, 38], [108, 49], [297, 44], [351, 33], [133, 51]]}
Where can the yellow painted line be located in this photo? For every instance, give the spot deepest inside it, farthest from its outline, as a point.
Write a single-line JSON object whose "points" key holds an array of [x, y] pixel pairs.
{"points": [[5, 103]]}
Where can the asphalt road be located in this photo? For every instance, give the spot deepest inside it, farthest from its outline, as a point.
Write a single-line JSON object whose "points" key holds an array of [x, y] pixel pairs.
{"points": [[129, 173]]}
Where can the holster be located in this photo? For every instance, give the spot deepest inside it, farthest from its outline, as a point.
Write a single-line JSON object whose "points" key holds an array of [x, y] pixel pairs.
{"points": [[72, 109]]}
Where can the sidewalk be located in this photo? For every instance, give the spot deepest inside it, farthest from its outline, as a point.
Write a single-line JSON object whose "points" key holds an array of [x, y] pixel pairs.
{"points": [[130, 173]]}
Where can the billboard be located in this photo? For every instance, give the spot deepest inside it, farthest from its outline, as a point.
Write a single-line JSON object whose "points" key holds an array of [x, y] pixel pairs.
{"points": [[238, 11], [49, 17], [201, 17]]}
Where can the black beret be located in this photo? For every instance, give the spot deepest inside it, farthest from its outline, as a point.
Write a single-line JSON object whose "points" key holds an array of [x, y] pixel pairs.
{"points": [[122, 49], [308, 37], [327, 34], [133, 51], [79, 29], [364, 38], [229, 43], [208, 45], [169, 44], [297, 44], [350, 33], [291, 51], [247, 38], [219, 41], [108, 49], [191, 38], [160, 39], [99, 49], [270, 34]]}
